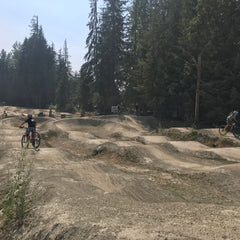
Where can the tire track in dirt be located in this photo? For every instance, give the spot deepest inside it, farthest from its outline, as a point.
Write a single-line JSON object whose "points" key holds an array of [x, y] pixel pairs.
{"points": [[175, 190]]}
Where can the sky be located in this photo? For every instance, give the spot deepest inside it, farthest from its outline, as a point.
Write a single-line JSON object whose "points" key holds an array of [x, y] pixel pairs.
{"points": [[60, 20]]}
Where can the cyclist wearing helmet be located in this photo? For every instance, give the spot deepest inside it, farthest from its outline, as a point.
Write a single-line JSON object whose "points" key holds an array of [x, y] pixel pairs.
{"points": [[31, 125], [232, 118]]}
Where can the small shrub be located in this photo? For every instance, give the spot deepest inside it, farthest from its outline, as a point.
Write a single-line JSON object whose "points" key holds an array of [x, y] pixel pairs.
{"points": [[17, 200], [194, 135]]}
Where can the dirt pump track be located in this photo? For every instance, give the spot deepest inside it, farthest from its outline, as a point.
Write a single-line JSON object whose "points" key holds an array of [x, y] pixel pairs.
{"points": [[113, 177]]}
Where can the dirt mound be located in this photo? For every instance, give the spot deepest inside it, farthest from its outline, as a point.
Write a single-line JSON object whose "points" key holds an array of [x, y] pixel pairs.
{"points": [[78, 124], [208, 137], [18, 111], [131, 154], [115, 177]]}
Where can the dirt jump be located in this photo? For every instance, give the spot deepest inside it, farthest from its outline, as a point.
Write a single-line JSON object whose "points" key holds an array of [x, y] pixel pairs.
{"points": [[120, 177]]}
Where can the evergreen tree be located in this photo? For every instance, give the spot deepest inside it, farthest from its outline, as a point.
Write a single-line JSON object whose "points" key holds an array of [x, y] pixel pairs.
{"points": [[156, 73], [85, 89], [111, 54], [66, 84], [62, 89], [4, 59], [92, 39], [137, 28], [89, 70], [212, 35], [36, 73]]}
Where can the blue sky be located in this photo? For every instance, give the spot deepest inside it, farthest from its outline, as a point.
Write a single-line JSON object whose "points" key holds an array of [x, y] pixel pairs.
{"points": [[60, 19]]}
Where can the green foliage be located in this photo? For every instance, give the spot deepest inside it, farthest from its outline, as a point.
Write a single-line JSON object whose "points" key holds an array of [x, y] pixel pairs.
{"points": [[85, 89], [30, 71], [17, 199], [66, 83], [104, 67], [165, 43]]}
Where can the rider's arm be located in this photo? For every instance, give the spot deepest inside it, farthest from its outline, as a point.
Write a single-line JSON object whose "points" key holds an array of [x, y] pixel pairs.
{"points": [[22, 124], [235, 117]]}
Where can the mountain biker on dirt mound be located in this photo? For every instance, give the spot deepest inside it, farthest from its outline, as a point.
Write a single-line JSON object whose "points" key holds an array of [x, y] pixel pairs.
{"points": [[31, 125], [232, 118]]}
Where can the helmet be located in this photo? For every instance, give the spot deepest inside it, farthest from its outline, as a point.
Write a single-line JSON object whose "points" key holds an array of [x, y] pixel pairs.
{"points": [[29, 115]]}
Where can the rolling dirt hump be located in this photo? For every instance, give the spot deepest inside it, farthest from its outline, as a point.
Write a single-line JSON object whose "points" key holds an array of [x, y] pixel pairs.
{"points": [[119, 177]]}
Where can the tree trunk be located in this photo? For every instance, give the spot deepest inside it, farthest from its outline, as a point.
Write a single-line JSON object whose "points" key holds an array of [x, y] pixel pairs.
{"points": [[198, 66]]}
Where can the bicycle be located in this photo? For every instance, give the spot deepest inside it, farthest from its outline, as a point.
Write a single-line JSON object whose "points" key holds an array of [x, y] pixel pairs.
{"points": [[235, 129], [35, 139]]}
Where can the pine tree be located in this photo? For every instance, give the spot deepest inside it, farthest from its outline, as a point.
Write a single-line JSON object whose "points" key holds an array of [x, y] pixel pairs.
{"points": [[111, 54], [212, 35], [62, 90], [4, 61], [156, 73], [66, 83], [36, 76]]}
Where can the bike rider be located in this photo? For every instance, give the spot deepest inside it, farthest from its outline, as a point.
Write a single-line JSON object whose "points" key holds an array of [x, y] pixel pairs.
{"points": [[31, 125], [232, 118]]}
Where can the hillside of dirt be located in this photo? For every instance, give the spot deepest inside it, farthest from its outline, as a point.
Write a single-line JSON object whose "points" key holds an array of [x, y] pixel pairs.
{"points": [[120, 177]]}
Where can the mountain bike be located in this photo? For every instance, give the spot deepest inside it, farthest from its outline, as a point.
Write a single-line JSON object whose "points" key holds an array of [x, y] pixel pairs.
{"points": [[35, 139], [235, 129]]}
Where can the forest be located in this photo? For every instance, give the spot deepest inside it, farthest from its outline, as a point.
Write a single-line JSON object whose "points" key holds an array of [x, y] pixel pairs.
{"points": [[177, 60]]}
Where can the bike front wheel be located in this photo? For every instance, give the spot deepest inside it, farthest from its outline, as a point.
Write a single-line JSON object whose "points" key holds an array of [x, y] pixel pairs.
{"points": [[36, 139], [236, 131], [222, 130], [25, 141]]}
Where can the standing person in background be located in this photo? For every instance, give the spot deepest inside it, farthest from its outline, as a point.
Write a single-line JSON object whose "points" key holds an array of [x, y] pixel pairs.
{"points": [[4, 114]]}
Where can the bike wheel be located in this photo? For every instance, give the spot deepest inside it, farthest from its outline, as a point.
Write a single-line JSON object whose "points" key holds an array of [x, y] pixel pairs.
{"points": [[222, 130], [25, 141], [36, 139], [236, 131]]}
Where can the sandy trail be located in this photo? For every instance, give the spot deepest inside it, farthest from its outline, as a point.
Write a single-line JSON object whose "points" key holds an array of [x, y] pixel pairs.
{"points": [[139, 186]]}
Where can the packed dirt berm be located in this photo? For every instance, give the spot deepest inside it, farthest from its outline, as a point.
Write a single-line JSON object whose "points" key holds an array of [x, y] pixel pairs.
{"points": [[120, 177]]}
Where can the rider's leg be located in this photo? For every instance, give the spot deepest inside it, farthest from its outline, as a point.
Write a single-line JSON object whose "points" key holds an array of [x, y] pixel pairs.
{"points": [[27, 131], [226, 127], [32, 136]]}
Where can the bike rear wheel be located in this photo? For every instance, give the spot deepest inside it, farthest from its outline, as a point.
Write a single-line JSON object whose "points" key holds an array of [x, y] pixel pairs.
{"points": [[36, 140], [222, 130], [25, 141]]}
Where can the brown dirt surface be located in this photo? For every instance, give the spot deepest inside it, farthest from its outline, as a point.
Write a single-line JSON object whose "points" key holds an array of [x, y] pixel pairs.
{"points": [[116, 177]]}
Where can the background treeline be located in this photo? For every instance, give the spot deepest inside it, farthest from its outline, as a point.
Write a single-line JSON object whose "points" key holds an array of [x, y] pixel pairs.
{"points": [[177, 59]]}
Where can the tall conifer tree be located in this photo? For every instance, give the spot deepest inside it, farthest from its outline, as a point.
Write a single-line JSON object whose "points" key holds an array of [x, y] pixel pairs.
{"points": [[111, 54]]}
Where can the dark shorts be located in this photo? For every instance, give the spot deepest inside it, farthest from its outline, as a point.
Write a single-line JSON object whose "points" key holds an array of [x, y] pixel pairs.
{"points": [[33, 129]]}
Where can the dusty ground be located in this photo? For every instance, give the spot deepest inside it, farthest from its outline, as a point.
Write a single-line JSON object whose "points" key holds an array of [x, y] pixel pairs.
{"points": [[114, 177]]}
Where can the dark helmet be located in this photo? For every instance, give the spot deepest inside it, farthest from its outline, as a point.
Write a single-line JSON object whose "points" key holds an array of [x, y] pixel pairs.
{"points": [[29, 115]]}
